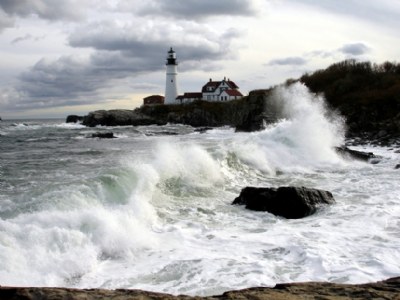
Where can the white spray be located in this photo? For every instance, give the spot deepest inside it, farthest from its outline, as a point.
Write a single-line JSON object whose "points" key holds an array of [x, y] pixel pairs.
{"points": [[304, 138]]}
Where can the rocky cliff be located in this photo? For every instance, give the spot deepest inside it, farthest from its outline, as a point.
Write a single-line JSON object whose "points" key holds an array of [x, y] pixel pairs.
{"points": [[368, 96], [118, 117], [247, 114], [388, 289]]}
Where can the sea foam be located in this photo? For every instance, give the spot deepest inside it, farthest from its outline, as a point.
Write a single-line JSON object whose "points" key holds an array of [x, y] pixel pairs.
{"points": [[154, 212]]}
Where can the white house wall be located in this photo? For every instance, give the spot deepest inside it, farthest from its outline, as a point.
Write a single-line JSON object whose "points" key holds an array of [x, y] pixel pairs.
{"points": [[216, 95]]}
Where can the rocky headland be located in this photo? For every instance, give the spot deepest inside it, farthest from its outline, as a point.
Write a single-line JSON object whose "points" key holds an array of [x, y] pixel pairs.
{"points": [[366, 95], [246, 114], [388, 289]]}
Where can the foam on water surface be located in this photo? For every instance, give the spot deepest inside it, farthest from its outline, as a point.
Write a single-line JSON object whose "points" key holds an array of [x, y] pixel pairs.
{"points": [[153, 212]]}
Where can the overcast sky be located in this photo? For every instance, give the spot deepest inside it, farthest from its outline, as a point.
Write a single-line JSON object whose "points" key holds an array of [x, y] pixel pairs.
{"points": [[60, 57]]}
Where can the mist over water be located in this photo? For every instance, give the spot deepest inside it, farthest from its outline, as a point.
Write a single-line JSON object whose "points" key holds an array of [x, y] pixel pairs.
{"points": [[153, 212]]}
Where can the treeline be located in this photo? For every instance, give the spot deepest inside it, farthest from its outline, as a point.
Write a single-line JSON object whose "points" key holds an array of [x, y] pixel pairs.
{"points": [[350, 80], [367, 94]]}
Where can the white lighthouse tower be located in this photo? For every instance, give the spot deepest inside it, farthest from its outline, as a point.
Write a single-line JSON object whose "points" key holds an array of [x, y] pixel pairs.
{"points": [[171, 85]]}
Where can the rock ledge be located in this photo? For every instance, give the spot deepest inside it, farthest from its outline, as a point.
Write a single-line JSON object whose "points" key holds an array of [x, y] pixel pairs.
{"points": [[388, 289]]}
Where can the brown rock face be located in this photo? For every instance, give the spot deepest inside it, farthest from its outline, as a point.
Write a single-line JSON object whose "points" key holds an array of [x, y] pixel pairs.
{"points": [[388, 289]]}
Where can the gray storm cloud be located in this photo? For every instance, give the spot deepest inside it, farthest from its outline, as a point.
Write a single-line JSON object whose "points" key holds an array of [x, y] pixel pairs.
{"points": [[297, 61], [120, 51], [194, 9], [355, 49], [45, 9]]}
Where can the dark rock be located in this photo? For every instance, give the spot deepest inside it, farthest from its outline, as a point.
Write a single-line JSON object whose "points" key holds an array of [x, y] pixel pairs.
{"points": [[156, 133], [118, 117], [74, 119], [288, 202], [247, 114], [103, 135], [381, 134], [258, 112], [397, 167], [203, 129], [360, 155], [388, 289], [253, 122]]}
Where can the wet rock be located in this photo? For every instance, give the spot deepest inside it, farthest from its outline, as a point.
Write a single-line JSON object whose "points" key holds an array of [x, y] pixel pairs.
{"points": [[388, 289], [360, 155], [288, 202], [74, 119], [103, 135], [118, 117], [397, 166], [157, 133], [258, 112], [247, 114], [203, 129]]}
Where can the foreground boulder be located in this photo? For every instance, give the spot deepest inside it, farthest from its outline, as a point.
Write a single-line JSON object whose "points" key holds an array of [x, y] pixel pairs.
{"points": [[388, 289], [287, 202]]}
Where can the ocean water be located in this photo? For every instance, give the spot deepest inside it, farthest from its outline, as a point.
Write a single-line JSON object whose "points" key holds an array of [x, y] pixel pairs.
{"points": [[152, 209]]}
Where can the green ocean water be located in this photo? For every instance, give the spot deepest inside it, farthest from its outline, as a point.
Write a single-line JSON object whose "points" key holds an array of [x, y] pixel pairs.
{"points": [[151, 208]]}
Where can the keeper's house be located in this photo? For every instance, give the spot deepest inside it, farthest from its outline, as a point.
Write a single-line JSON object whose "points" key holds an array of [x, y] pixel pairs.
{"points": [[224, 90]]}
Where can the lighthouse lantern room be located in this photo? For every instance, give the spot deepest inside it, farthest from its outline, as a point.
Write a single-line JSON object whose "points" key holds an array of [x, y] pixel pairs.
{"points": [[171, 85]]}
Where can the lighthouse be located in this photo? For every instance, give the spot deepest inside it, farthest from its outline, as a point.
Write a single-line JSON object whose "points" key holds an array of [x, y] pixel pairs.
{"points": [[171, 85]]}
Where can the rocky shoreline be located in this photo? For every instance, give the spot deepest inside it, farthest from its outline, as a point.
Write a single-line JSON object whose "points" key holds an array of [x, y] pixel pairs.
{"points": [[387, 289], [365, 94], [248, 114]]}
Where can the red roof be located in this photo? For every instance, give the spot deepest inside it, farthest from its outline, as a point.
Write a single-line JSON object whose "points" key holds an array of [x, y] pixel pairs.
{"points": [[233, 93]]}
